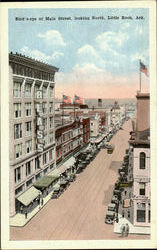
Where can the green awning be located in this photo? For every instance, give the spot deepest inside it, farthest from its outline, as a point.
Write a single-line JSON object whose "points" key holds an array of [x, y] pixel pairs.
{"points": [[45, 181], [27, 197]]}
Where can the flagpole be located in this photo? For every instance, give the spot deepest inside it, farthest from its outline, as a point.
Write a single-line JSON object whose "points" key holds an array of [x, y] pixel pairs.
{"points": [[62, 109], [140, 74]]}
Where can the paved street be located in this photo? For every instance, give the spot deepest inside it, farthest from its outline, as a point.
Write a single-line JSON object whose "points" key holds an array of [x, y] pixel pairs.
{"points": [[79, 212]]}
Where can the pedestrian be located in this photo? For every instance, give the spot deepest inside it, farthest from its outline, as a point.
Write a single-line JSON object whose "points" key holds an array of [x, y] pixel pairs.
{"points": [[122, 230], [123, 213], [126, 230], [21, 209], [42, 201], [25, 214]]}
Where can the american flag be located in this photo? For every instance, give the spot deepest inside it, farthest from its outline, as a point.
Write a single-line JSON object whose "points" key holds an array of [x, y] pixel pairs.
{"points": [[143, 68], [78, 99], [66, 99]]}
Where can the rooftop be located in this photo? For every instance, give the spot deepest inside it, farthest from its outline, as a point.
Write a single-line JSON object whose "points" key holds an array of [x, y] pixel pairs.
{"points": [[25, 60]]}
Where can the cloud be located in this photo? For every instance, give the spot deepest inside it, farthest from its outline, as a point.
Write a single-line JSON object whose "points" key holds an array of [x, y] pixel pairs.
{"points": [[87, 50], [111, 40], [88, 55], [38, 55], [53, 38]]}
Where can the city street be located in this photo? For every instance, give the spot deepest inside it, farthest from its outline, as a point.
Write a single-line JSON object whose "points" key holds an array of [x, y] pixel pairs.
{"points": [[79, 213]]}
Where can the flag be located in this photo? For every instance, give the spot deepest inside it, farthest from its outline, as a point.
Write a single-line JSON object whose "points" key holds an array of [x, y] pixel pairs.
{"points": [[143, 68], [78, 99], [66, 99]]}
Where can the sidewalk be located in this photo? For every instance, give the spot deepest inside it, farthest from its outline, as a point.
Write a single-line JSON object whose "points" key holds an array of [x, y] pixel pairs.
{"points": [[132, 229], [19, 220]]}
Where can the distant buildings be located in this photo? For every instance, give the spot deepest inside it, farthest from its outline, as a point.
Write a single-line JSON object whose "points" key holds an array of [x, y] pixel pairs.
{"points": [[31, 121]]}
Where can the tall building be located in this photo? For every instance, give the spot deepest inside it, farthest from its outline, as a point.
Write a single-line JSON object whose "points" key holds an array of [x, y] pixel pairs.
{"points": [[140, 142], [135, 171], [31, 124]]}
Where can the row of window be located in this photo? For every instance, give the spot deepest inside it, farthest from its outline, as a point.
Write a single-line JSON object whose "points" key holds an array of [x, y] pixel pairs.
{"points": [[28, 128], [33, 73], [43, 109], [33, 179], [29, 166], [17, 90], [28, 146]]}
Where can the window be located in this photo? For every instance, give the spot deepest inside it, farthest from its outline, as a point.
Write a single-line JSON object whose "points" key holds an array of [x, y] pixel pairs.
{"points": [[44, 158], [44, 92], [50, 154], [17, 174], [19, 189], [45, 171], [17, 131], [17, 110], [38, 176], [51, 107], [28, 128], [28, 183], [52, 166], [50, 92], [142, 160], [36, 88], [28, 90], [51, 137], [18, 150], [28, 146], [17, 90], [51, 122], [37, 163], [45, 140], [28, 109], [141, 188], [28, 168], [44, 107], [45, 123], [141, 213]]}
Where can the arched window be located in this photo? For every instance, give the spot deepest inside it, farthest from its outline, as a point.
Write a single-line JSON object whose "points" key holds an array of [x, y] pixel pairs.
{"points": [[142, 160]]}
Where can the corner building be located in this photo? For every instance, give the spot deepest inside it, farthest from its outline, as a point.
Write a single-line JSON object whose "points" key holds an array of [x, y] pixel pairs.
{"points": [[27, 163]]}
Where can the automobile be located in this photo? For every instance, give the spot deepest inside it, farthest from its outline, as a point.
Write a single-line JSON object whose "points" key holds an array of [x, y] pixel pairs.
{"points": [[56, 193], [111, 207], [114, 199], [110, 215], [110, 149]]}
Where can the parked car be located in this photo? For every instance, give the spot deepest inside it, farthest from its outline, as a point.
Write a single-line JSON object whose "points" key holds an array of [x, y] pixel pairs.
{"points": [[114, 199], [111, 207], [110, 215]]}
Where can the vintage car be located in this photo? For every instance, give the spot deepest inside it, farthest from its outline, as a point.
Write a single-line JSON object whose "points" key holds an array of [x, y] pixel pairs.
{"points": [[110, 215], [110, 148], [111, 207]]}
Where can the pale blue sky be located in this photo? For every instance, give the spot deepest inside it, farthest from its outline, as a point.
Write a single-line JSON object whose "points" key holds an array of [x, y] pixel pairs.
{"points": [[105, 48]]}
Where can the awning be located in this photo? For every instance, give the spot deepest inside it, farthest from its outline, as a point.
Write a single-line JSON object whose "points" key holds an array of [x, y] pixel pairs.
{"points": [[70, 162], [45, 181], [56, 187], [99, 139], [27, 197], [67, 164]]}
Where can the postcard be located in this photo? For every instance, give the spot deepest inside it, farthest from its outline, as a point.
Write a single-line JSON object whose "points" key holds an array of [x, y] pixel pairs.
{"points": [[78, 111]]}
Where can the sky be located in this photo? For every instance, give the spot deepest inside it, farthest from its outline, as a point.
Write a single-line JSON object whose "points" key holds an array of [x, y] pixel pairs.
{"points": [[97, 58]]}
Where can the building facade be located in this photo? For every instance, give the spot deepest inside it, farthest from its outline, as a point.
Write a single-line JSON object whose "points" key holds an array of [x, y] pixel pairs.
{"points": [[71, 137], [140, 142], [31, 123]]}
